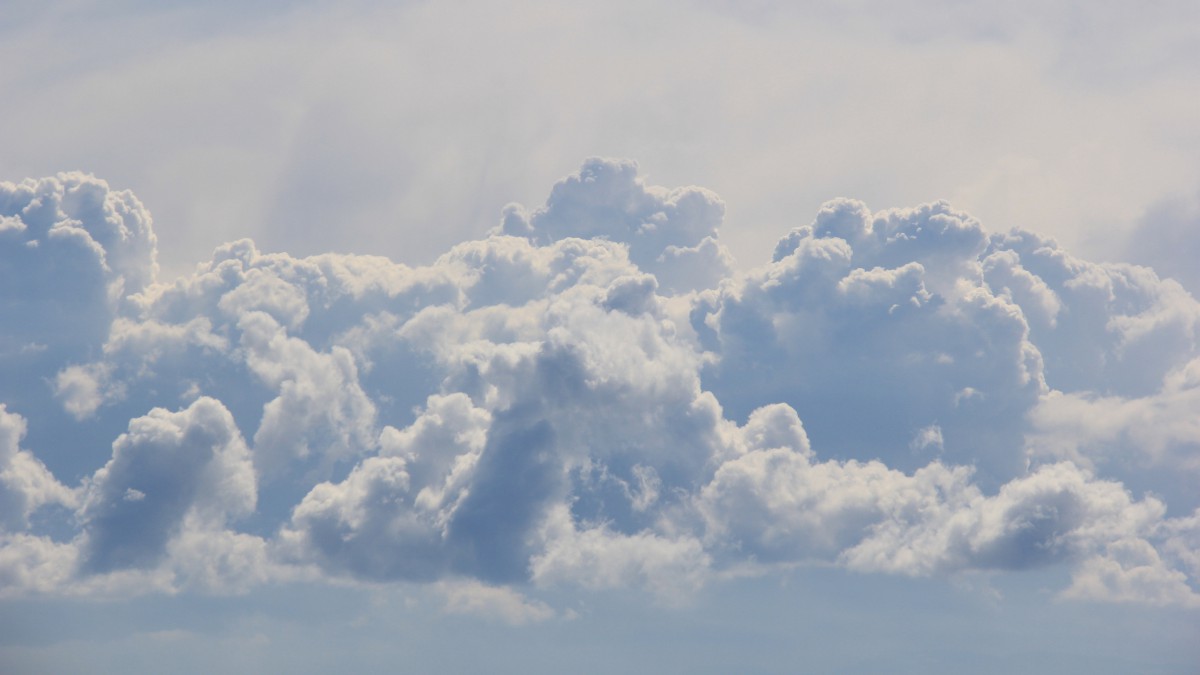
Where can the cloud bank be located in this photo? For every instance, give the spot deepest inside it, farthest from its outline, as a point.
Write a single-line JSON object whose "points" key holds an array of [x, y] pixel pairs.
{"points": [[590, 397]]}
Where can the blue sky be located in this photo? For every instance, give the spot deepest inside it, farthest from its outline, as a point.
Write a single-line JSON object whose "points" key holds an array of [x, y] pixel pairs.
{"points": [[674, 336]]}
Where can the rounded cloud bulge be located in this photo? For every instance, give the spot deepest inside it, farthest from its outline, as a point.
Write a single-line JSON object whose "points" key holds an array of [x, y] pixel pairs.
{"points": [[592, 396]]}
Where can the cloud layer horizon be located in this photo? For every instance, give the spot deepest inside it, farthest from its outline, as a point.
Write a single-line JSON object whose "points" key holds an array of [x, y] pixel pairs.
{"points": [[592, 396]]}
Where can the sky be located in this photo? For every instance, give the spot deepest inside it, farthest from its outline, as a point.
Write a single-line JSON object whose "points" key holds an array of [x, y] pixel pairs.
{"points": [[609, 337]]}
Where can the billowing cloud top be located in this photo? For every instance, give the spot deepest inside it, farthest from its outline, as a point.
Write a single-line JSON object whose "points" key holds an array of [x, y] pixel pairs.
{"points": [[589, 397]]}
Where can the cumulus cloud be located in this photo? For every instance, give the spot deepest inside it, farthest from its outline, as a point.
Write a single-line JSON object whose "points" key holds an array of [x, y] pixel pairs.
{"points": [[25, 483], [320, 403], [30, 563], [670, 233], [590, 397], [493, 602], [670, 567], [875, 327], [169, 469], [1131, 571], [1056, 513], [73, 250]]}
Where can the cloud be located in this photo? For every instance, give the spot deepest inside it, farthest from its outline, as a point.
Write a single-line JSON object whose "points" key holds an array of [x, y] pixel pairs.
{"points": [[73, 249], [35, 564], [591, 397], [927, 439], [1056, 513], [170, 469], [320, 403], [75, 244], [891, 322], [493, 602], [1131, 570], [1094, 429], [1119, 328], [670, 233], [670, 567], [25, 483]]}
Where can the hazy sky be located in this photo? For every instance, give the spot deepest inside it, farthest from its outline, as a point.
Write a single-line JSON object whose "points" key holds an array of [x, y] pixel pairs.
{"points": [[605, 337]]}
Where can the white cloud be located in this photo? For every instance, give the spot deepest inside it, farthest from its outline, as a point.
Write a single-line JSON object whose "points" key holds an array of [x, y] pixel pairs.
{"points": [[670, 233], [366, 526], [25, 482], [672, 568], [591, 399], [217, 560], [895, 321], [77, 216], [1131, 570], [190, 465], [927, 439], [83, 389], [492, 602], [12, 223], [35, 564], [1057, 513], [80, 249], [320, 403]]}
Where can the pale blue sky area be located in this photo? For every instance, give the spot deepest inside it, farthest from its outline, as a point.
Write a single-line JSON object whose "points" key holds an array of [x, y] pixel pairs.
{"points": [[816, 621]]}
